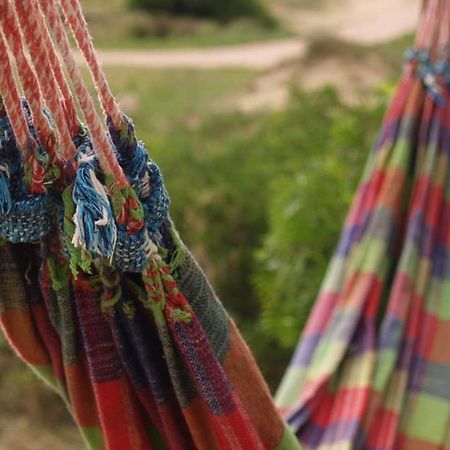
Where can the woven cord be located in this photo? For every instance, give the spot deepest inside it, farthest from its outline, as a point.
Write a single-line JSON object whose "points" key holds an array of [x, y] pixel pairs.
{"points": [[75, 19], [29, 80], [13, 106], [104, 151], [58, 73], [29, 20], [444, 36], [126, 204]]}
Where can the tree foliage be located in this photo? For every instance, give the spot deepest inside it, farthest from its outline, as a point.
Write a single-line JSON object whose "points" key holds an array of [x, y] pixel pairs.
{"points": [[216, 9], [306, 210]]}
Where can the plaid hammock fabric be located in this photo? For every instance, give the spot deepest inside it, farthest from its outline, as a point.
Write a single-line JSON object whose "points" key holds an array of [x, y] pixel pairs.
{"points": [[99, 295], [372, 368]]}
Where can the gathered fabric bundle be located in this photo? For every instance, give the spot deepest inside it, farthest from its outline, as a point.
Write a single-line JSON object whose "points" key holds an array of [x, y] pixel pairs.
{"points": [[99, 295], [372, 369]]}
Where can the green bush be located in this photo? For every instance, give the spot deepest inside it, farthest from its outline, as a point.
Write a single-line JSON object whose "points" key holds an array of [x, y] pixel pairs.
{"points": [[260, 200], [216, 9], [306, 210]]}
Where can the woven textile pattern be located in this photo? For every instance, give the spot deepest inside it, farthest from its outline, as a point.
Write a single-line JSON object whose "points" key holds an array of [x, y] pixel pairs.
{"points": [[372, 368], [126, 374], [100, 297]]}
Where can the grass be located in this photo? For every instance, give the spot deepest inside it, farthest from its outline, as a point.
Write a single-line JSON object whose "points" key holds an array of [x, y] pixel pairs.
{"points": [[390, 53], [159, 99], [118, 27]]}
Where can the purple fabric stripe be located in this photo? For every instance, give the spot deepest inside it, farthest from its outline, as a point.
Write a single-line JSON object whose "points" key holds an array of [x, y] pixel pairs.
{"points": [[349, 237], [305, 350], [391, 333], [398, 128], [364, 339], [441, 262], [298, 417], [417, 373], [314, 435], [426, 239], [209, 376], [406, 354], [379, 223]]}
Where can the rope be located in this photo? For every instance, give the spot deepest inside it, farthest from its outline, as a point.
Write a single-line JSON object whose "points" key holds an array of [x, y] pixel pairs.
{"points": [[69, 104], [29, 19], [29, 80], [124, 198], [105, 154], [13, 106], [75, 19]]}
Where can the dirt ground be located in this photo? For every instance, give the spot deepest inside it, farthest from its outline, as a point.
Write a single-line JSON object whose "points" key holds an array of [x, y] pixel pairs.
{"points": [[367, 22], [361, 21]]}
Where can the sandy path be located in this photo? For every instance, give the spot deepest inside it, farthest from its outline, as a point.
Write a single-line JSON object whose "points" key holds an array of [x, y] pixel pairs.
{"points": [[360, 21], [265, 55]]}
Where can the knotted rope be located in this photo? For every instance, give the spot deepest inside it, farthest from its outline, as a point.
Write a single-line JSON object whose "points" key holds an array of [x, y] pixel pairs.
{"points": [[127, 206], [75, 19], [120, 127], [13, 106], [32, 28], [29, 81]]}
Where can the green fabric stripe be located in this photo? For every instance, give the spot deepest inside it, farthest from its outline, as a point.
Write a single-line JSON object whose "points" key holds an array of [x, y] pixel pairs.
{"points": [[289, 441], [291, 386], [92, 437]]}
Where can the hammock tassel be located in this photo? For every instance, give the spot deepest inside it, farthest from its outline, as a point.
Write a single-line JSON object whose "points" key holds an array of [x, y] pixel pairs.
{"points": [[95, 228], [5, 194]]}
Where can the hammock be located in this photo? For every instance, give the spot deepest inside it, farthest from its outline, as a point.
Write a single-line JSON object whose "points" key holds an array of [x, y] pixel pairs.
{"points": [[372, 368], [99, 295], [105, 303]]}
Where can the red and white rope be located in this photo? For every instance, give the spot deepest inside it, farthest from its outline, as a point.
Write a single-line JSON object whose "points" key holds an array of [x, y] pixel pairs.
{"points": [[58, 73], [77, 23], [13, 106], [104, 151], [29, 19], [28, 78], [11, 98]]}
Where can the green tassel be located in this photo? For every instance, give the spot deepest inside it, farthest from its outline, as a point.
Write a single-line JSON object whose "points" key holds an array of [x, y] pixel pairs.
{"points": [[78, 258]]}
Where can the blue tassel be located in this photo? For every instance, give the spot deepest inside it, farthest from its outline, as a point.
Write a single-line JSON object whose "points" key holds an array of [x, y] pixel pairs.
{"points": [[5, 194], [95, 228], [428, 73]]}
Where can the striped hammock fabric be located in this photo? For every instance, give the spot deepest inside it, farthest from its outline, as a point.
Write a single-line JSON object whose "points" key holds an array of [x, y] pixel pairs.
{"points": [[131, 378], [98, 295], [372, 368]]}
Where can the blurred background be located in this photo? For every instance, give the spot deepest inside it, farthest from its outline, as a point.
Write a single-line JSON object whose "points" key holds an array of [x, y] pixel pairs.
{"points": [[261, 114]]}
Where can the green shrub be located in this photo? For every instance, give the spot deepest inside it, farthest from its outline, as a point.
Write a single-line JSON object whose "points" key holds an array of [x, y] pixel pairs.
{"points": [[306, 211], [216, 9], [260, 200]]}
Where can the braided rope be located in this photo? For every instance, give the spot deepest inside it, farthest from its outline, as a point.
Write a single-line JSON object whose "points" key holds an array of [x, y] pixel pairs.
{"points": [[75, 19], [124, 199], [13, 106], [69, 104], [29, 80], [103, 148], [29, 20], [11, 98], [444, 38]]}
